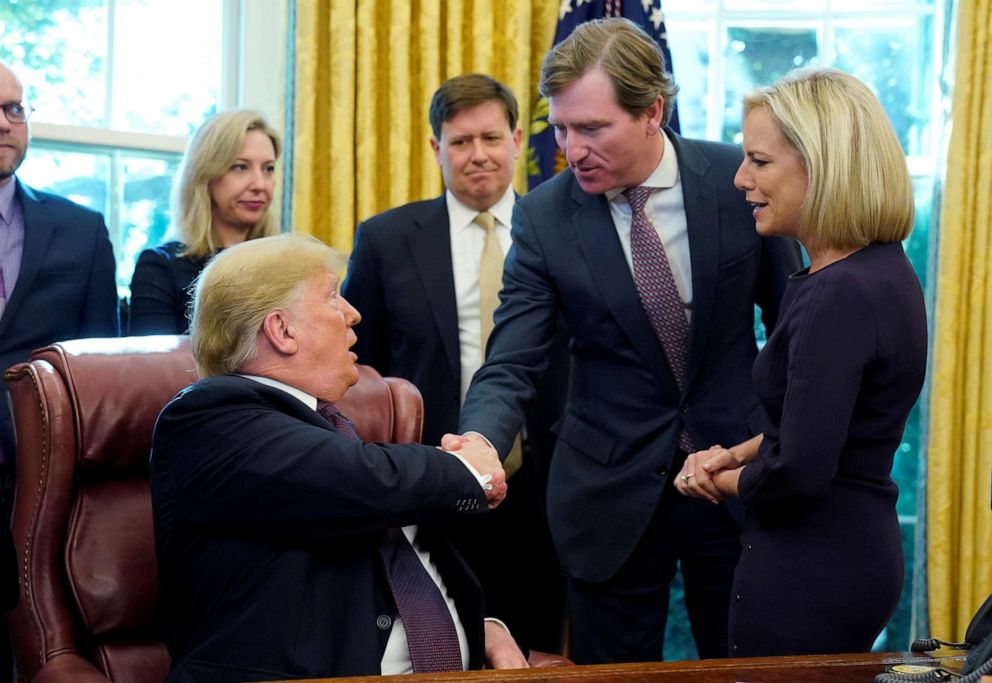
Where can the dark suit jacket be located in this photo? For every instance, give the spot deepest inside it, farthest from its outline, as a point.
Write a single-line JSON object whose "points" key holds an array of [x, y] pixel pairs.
{"points": [[617, 439], [160, 290], [400, 279], [66, 288], [267, 527]]}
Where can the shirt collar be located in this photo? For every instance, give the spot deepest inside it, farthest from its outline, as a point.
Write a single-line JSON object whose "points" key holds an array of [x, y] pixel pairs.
{"points": [[307, 399], [7, 199], [664, 176], [461, 216]]}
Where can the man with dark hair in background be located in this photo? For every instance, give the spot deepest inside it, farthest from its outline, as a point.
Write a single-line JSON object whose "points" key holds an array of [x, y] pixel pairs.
{"points": [[426, 277]]}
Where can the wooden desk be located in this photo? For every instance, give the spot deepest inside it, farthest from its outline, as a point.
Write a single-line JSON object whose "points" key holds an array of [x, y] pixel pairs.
{"points": [[860, 668]]}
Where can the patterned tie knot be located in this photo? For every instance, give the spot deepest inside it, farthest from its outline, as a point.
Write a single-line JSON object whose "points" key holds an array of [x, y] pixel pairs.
{"points": [[342, 424], [637, 197], [486, 221]]}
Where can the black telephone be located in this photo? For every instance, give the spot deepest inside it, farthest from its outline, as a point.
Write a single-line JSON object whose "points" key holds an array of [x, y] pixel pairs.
{"points": [[977, 663]]}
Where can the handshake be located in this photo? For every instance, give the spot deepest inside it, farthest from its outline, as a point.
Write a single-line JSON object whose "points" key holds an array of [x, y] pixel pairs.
{"points": [[474, 449]]}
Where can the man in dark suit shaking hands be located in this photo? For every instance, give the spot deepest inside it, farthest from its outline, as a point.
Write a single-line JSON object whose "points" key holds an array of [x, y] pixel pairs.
{"points": [[287, 548], [649, 252], [426, 277], [56, 282]]}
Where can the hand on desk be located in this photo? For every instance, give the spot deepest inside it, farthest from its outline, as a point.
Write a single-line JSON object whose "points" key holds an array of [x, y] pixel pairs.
{"points": [[480, 454], [501, 649]]}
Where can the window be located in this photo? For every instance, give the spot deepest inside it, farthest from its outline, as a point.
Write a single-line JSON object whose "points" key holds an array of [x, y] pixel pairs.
{"points": [[119, 85], [721, 49]]}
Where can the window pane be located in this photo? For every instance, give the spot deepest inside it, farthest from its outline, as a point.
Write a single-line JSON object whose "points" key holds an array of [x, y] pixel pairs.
{"points": [[81, 176], [144, 213], [167, 64], [759, 56], [58, 49], [690, 66], [894, 59]]}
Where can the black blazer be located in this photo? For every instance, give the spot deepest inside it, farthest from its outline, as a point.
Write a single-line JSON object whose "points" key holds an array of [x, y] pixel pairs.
{"points": [[66, 289], [160, 290], [617, 439], [267, 526]]}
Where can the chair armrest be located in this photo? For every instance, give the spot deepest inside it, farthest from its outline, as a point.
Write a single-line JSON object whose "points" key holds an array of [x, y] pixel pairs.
{"points": [[69, 668], [545, 660]]}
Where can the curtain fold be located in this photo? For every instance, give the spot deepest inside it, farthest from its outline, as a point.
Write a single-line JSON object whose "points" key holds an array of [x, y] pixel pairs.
{"points": [[959, 540], [365, 72]]}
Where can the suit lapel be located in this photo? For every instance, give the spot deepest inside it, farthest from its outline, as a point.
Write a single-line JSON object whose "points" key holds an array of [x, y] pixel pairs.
{"points": [[38, 229], [597, 237], [430, 245], [703, 225]]}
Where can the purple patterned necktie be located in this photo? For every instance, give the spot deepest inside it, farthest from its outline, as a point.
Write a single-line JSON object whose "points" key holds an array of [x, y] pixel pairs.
{"points": [[430, 631], [345, 427], [657, 291]]}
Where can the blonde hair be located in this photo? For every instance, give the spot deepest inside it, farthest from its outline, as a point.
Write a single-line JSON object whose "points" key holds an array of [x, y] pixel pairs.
{"points": [[859, 186], [208, 156], [242, 285]]}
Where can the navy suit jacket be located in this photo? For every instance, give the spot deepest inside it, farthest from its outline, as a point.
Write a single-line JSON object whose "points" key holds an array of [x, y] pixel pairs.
{"points": [[400, 278], [267, 531], [66, 288], [618, 436]]}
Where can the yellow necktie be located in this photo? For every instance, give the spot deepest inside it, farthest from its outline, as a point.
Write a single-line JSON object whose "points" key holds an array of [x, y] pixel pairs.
{"points": [[490, 278], [490, 281]]}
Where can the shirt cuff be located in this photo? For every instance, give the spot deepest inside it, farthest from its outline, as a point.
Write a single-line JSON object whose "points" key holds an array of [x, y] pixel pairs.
{"points": [[485, 480]]}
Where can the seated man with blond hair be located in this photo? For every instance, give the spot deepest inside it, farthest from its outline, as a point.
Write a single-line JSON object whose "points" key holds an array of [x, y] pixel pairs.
{"points": [[288, 548]]}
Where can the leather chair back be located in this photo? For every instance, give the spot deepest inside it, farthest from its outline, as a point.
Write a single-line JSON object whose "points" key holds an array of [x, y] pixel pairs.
{"points": [[84, 412]]}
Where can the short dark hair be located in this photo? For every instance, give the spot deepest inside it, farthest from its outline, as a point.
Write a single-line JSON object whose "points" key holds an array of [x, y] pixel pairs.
{"points": [[629, 56], [466, 91]]}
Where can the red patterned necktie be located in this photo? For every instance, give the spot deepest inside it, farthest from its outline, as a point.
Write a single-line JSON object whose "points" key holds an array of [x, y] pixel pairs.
{"points": [[430, 631], [657, 291]]}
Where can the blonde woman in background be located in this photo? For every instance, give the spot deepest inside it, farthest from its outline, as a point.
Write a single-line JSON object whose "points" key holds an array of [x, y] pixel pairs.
{"points": [[223, 197]]}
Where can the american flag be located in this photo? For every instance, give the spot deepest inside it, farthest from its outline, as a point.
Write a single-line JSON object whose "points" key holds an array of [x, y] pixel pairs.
{"points": [[544, 159]]}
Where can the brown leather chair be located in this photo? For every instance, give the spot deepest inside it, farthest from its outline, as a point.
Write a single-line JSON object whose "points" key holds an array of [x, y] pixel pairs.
{"points": [[84, 412]]}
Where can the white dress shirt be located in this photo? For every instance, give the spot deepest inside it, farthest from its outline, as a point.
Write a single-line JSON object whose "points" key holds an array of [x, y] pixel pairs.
{"points": [[466, 253], [666, 211]]}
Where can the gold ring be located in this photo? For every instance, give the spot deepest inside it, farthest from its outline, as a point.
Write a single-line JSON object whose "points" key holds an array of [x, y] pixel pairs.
{"points": [[685, 478]]}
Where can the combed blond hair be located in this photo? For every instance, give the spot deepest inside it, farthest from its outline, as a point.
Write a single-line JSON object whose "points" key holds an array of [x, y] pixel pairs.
{"points": [[208, 156], [859, 185], [242, 285]]}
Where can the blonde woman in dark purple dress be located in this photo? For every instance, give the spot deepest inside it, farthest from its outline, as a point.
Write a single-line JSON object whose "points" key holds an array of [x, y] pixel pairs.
{"points": [[821, 567]]}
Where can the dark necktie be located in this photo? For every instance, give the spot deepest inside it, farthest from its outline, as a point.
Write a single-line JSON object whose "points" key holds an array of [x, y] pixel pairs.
{"points": [[657, 291], [343, 425], [430, 631]]}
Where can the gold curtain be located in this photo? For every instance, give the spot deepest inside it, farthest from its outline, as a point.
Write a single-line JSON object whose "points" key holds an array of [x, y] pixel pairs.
{"points": [[365, 72], [959, 538]]}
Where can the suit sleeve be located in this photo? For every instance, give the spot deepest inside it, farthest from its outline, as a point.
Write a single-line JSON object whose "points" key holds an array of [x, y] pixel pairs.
{"points": [[823, 386], [240, 467], [517, 354], [100, 313], [362, 287], [153, 297]]}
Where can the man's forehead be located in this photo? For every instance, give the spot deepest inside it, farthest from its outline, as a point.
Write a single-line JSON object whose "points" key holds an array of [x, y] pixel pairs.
{"points": [[10, 85], [488, 116]]}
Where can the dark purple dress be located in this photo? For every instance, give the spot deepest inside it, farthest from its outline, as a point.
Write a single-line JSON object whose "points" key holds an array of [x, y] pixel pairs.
{"points": [[822, 563]]}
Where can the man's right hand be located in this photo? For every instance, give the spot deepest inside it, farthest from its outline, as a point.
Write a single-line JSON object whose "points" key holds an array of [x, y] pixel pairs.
{"points": [[484, 458]]}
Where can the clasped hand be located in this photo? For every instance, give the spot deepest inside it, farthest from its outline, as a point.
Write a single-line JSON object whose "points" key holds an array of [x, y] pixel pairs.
{"points": [[483, 457], [711, 474]]}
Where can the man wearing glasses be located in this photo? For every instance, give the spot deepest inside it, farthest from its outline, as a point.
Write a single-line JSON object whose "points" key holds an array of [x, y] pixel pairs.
{"points": [[56, 282]]}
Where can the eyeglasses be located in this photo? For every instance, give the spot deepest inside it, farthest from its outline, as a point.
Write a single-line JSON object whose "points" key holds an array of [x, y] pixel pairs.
{"points": [[17, 112]]}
